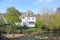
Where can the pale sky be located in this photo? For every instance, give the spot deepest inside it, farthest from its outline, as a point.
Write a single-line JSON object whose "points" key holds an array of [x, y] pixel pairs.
{"points": [[24, 5]]}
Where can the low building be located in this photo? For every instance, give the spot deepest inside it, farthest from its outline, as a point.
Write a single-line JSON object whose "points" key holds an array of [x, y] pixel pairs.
{"points": [[58, 10], [2, 19], [29, 21], [25, 14], [38, 17]]}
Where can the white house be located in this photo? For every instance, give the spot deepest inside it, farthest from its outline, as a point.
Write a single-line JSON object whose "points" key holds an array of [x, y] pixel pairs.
{"points": [[29, 21]]}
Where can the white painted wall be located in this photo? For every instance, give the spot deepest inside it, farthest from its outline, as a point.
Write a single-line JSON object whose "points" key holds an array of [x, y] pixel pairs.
{"points": [[26, 20]]}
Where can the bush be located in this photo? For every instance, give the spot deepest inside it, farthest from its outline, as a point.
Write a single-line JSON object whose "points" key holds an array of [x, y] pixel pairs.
{"points": [[0, 23], [32, 29], [9, 29], [39, 24]]}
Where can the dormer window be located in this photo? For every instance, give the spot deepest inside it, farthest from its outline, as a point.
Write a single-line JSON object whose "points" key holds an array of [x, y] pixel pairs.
{"points": [[32, 18], [28, 18]]}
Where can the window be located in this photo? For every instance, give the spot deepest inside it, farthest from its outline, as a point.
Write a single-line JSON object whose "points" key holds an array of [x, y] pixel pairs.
{"points": [[28, 18], [32, 18], [31, 23]]}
